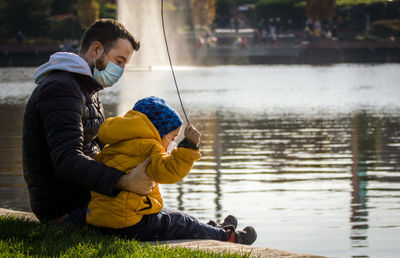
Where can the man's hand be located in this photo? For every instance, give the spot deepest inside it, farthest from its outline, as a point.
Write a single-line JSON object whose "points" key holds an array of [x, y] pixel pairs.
{"points": [[192, 135], [137, 181]]}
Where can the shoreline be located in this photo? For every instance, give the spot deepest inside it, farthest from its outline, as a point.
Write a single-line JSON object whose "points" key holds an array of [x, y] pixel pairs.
{"points": [[217, 247], [313, 53]]}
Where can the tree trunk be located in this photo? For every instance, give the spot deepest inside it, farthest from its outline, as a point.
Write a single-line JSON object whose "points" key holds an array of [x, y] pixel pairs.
{"points": [[320, 10]]}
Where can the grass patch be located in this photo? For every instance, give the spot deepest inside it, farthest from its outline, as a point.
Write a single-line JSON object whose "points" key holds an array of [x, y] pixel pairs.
{"points": [[358, 2], [21, 238]]}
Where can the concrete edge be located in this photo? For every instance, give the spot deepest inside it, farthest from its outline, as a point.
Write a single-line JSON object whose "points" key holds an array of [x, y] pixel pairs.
{"points": [[226, 247], [215, 246], [18, 214]]}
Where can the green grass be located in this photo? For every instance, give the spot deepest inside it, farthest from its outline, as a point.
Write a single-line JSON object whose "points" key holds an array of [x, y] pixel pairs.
{"points": [[358, 2], [21, 238]]}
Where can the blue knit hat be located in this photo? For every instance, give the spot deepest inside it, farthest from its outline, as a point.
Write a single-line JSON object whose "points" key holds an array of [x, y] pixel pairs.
{"points": [[163, 116]]}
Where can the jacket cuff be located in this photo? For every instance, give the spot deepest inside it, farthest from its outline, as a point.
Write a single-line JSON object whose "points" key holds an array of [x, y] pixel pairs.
{"points": [[114, 191], [185, 144]]}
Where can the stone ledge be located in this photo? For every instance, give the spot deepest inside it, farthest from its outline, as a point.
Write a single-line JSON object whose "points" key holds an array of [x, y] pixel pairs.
{"points": [[206, 245], [18, 214], [225, 247]]}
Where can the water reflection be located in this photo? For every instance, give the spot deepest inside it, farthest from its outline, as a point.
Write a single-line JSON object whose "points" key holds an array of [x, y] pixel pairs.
{"points": [[13, 192], [359, 212], [316, 182], [301, 165], [375, 173]]}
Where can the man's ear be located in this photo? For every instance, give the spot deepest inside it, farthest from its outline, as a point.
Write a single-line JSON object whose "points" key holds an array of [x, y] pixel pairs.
{"points": [[96, 49]]}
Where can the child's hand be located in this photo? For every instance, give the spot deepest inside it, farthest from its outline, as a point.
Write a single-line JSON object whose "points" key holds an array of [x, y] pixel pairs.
{"points": [[192, 135]]}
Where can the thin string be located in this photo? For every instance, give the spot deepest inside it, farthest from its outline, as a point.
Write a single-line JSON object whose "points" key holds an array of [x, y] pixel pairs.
{"points": [[170, 62]]}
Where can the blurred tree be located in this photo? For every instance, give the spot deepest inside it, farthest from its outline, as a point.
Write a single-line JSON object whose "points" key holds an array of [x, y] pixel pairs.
{"points": [[62, 7], [107, 8], [211, 8], [203, 12], [320, 10], [65, 26], [29, 17], [224, 7], [88, 12], [284, 9]]}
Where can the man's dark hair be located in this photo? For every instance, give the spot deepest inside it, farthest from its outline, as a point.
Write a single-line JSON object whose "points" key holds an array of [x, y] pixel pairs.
{"points": [[107, 32]]}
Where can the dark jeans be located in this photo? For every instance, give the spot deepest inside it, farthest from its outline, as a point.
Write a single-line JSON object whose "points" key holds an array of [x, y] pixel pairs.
{"points": [[168, 225], [76, 217]]}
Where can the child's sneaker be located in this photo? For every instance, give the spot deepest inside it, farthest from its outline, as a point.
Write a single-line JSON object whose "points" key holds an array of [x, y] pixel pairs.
{"points": [[247, 236], [230, 220]]}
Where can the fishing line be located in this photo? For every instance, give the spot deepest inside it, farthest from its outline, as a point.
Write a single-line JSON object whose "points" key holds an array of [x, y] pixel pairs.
{"points": [[170, 62]]}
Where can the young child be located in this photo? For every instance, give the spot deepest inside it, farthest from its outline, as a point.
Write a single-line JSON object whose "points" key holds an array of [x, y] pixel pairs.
{"points": [[150, 129]]}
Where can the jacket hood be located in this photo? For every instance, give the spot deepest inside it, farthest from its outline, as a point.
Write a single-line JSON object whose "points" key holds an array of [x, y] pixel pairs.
{"points": [[64, 61], [133, 125]]}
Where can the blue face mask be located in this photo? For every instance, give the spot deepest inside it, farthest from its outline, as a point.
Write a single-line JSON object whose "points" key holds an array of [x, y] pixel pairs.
{"points": [[109, 75]]}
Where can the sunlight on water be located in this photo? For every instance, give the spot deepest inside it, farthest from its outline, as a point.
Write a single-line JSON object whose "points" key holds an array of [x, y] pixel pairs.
{"points": [[149, 68], [272, 89], [310, 156]]}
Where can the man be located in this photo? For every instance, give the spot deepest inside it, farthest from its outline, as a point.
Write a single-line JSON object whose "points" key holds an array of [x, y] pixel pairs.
{"points": [[61, 121]]}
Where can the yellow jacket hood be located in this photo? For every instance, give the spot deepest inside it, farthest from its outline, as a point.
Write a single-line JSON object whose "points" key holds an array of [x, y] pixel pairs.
{"points": [[133, 125]]}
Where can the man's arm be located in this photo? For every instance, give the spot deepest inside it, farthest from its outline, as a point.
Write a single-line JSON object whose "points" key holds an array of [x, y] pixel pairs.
{"points": [[61, 108]]}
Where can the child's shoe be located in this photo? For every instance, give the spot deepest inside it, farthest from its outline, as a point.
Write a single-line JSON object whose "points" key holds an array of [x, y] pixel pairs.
{"points": [[230, 220], [247, 236]]}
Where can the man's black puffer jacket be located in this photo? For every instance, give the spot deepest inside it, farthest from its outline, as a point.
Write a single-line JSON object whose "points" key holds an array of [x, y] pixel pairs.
{"points": [[60, 126]]}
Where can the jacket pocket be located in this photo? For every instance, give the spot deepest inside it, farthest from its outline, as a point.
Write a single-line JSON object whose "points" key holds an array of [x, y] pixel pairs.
{"points": [[149, 204]]}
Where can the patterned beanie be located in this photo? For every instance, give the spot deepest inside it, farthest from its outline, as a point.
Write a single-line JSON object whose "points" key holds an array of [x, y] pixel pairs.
{"points": [[163, 116]]}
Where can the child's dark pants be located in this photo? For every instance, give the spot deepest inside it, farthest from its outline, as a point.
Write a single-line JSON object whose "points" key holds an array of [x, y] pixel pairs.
{"points": [[168, 225]]}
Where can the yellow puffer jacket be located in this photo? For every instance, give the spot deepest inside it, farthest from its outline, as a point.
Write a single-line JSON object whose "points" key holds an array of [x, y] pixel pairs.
{"points": [[130, 140]]}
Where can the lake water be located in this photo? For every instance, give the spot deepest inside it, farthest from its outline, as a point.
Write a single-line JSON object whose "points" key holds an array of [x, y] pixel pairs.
{"points": [[308, 155]]}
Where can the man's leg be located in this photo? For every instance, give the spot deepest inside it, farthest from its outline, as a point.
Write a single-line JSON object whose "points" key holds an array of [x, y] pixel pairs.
{"points": [[76, 217]]}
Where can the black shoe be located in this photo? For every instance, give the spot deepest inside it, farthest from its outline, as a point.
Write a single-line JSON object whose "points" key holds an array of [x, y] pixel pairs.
{"points": [[230, 220], [247, 236]]}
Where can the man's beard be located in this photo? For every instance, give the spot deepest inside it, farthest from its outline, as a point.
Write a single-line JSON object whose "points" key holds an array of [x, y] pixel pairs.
{"points": [[101, 63]]}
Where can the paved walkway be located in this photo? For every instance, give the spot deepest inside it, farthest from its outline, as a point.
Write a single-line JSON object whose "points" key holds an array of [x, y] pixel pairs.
{"points": [[208, 245]]}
